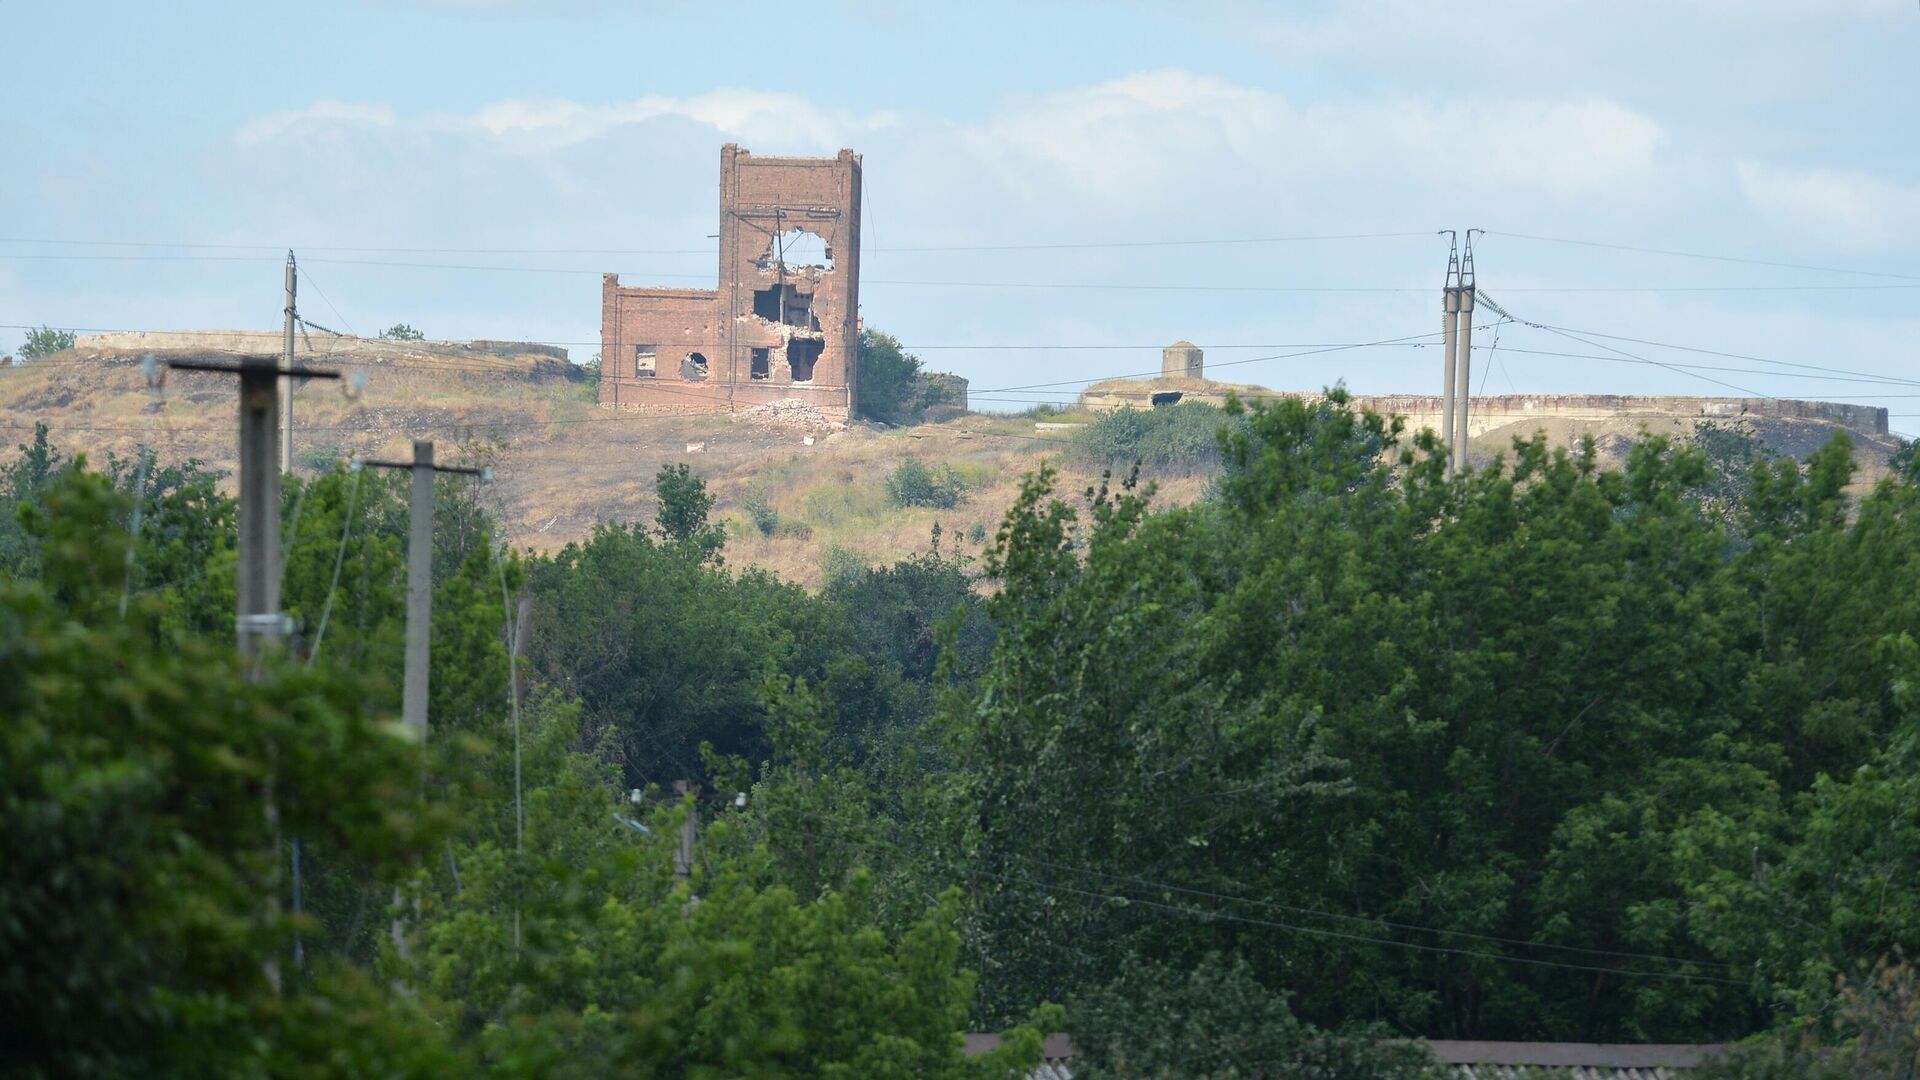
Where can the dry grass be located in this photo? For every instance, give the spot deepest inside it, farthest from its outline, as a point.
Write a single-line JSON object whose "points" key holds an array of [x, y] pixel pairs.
{"points": [[561, 463]]}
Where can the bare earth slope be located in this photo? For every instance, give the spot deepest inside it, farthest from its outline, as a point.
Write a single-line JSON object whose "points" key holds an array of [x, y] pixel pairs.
{"points": [[562, 463]]}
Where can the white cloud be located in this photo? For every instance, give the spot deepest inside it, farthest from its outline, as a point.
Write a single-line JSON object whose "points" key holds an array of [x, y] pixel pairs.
{"points": [[1153, 155], [321, 114], [1862, 210], [1145, 138], [777, 118]]}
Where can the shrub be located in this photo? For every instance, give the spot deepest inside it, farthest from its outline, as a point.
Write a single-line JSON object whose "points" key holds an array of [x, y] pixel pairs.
{"points": [[764, 516], [402, 332], [842, 567], [1186, 436], [977, 533], [913, 484], [318, 457]]}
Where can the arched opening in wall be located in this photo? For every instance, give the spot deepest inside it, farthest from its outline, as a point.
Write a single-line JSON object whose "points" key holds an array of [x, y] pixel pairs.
{"points": [[797, 249], [694, 368], [802, 354]]}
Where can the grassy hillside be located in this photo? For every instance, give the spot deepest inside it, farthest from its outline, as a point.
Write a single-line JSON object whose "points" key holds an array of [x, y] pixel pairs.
{"points": [[562, 463]]}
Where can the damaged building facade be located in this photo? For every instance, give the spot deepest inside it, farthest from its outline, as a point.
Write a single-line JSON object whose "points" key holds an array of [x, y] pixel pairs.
{"points": [[784, 323]]}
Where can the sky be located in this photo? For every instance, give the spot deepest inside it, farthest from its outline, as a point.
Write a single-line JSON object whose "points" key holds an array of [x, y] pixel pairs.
{"points": [[1053, 190]]}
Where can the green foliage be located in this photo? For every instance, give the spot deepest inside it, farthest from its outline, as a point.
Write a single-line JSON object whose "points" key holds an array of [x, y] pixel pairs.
{"points": [[146, 786], [761, 512], [319, 457], [23, 482], [1215, 1021], [913, 484], [150, 793], [886, 390], [682, 517], [1538, 714], [1183, 436], [1871, 1028], [45, 342], [590, 383], [1536, 751], [402, 332], [666, 652], [840, 566]]}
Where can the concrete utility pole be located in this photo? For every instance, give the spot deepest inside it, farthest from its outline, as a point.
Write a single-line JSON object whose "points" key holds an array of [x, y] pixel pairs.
{"points": [[259, 625], [1465, 365], [1449, 322], [689, 833], [413, 697], [259, 622], [292, 312]]}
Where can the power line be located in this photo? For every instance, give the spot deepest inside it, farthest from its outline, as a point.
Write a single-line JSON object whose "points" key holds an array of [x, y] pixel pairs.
{"points": [[1699, 255], [710, 250], [1495, 305], [910, 346], [1726, 355], [895, 282], [1043, 889]]}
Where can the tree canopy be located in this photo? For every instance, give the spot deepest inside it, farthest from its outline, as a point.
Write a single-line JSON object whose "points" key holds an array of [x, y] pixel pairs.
{"points": [[1346, 751]]}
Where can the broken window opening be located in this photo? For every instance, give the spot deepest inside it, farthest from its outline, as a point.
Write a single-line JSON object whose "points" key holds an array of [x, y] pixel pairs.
{"points": [[802, 354], [643, 362], [786, 305], [760, 368], [694, 368], [797, 249], [1171, 397]]}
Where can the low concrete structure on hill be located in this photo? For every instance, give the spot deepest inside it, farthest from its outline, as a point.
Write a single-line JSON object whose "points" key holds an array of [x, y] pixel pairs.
{"points": [[1182, 380]]}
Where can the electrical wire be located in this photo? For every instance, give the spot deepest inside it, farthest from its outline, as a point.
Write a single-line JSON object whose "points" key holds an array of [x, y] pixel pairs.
{"points": [[1107, 286], [1044, 889], [1495, 305], [710, 250], [1698, 255]]}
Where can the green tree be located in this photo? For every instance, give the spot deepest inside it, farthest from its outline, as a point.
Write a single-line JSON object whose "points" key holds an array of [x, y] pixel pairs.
{"points": [[146, 787], [887, 387], [682, 517], [402, 332], [45, 342], [1214, 1021]]}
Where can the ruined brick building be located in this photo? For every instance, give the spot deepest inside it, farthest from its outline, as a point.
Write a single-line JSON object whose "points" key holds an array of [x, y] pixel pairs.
{"points": [[785, 320]]}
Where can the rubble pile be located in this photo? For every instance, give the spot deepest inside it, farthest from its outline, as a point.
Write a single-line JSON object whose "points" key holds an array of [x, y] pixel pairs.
{"points": [[790, 414]]}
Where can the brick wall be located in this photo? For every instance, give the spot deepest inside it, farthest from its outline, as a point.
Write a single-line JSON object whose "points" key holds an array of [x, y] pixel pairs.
{"points": [[783, 321]]}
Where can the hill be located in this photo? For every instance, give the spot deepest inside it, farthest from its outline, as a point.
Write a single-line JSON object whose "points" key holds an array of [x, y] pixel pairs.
{"points": [[563, 463]]}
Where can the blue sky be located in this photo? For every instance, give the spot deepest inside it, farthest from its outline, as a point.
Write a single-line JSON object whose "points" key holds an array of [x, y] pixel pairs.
{"points": [[550, 142]]}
